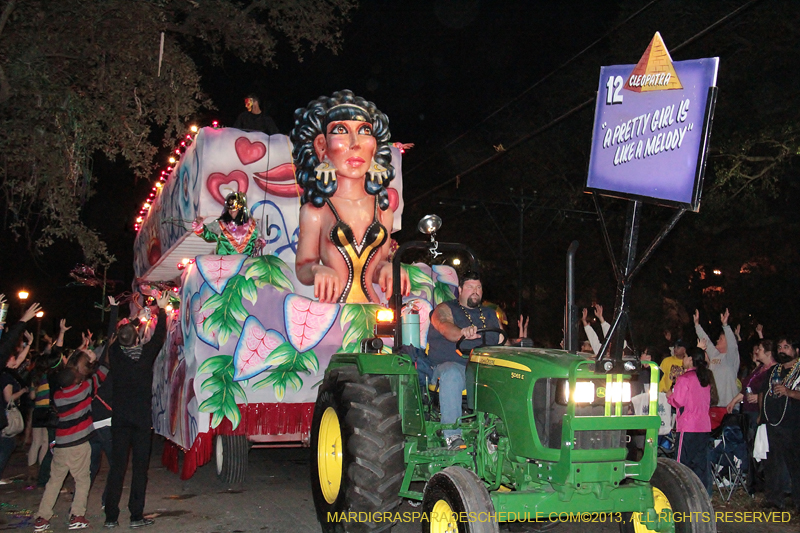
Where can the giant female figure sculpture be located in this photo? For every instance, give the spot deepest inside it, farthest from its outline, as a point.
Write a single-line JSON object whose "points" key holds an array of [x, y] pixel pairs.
{"points": [[343, 163]]}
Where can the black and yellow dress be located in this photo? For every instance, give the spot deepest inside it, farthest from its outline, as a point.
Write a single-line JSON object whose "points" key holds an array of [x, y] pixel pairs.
{"points": [[357, 256]]}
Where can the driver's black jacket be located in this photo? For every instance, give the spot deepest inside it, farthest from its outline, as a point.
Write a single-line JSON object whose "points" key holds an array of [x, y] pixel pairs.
{"points": [[442, 350]]}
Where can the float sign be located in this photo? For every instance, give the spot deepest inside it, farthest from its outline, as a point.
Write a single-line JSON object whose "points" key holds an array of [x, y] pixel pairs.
{"points": [[651, 128]]}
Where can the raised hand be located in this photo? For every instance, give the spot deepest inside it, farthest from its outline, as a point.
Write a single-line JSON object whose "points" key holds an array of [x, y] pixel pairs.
{"points": [[584, 316], [112, 301], [87, 339], [724, 317], [62, 325], [760, 330], [598, 312], [702, 344], [28, 337], [696, 316], [31, 312], [523, 327], [162, 300]]}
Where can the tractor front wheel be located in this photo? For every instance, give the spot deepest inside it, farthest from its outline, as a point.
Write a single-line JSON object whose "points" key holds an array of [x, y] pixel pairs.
{"points": [[454, 492], [676, 489], [356, 450]]}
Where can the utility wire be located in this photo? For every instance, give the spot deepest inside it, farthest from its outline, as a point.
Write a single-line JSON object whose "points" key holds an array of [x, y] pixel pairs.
{"points": [[529, 89], [569, 113]]}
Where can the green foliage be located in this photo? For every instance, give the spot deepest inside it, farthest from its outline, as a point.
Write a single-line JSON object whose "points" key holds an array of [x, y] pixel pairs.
{"points": [[359, 319], [224, 391], [442, 292], [269, 270], [289, 363], [420, 281], [280, 379], [228, 309], [82, 78]]}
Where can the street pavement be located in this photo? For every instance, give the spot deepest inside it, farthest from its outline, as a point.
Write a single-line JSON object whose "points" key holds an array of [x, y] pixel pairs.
{"points": [[276, 498]]}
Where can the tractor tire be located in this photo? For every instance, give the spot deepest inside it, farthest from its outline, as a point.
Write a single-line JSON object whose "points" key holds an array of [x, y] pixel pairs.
{"points": [[357, 442], [230, 452], [676, 487], [453, 491]]}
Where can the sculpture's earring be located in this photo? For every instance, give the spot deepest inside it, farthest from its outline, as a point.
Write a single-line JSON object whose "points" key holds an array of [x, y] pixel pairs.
{"points": [[325, 172], [377, 173]]}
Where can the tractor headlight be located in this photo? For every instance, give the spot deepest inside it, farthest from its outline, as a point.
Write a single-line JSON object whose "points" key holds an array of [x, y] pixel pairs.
{"points": [[619, 392], [583, 393]]}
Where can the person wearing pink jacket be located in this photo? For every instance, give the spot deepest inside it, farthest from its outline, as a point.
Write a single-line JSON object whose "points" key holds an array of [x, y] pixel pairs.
{"points": [[692, 398]]}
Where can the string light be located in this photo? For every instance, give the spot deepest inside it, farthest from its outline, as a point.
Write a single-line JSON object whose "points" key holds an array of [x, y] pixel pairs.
{"points": [[165, 174]]}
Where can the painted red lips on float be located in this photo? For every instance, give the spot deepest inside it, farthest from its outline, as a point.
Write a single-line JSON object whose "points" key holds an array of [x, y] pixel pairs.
{"points": [[278, 180]]}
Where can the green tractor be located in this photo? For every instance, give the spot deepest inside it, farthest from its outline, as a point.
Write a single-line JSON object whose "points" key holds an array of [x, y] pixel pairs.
{"points": [[545, 439]]}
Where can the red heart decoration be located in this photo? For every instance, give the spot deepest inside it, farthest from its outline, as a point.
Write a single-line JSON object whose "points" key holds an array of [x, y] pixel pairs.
{"points": [[394, 199], [249, 152], [217, 179]]}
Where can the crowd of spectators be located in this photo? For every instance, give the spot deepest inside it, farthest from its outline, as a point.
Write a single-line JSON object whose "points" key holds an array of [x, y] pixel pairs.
{"points": [[59, 401], [755, 379]]}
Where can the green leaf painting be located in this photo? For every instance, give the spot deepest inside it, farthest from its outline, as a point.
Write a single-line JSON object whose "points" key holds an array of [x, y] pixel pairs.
{"points": [[359, 319], [290, 364], [420, 281], [280, 379], [228, 309], [442, 292], [224, 391], [269, 270]]}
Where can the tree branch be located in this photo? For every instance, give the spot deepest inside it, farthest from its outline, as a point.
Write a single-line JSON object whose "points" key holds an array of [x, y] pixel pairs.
{"points": [[5, 87], [6, 13]]}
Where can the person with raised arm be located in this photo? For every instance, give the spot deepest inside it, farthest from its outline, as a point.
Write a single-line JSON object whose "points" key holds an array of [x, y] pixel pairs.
{"points": [[723, 357]]}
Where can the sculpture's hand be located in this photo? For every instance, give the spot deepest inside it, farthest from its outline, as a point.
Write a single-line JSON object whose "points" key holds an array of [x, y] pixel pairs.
{"points": [[327, 285], [386, 280]]}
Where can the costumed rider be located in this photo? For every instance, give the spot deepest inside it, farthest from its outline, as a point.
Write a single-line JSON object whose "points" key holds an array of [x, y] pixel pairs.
{"points": [[235, 232], [451, 321]]}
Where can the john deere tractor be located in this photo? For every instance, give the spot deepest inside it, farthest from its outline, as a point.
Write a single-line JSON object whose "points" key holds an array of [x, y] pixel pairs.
{"points": [[544, 439]]}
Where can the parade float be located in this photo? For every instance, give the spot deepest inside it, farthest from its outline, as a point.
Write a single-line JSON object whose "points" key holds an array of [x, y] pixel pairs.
{"points": [[248, 344]]}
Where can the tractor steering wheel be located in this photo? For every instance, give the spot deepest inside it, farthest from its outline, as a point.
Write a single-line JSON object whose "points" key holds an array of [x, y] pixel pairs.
{"points": [[482, 332]]}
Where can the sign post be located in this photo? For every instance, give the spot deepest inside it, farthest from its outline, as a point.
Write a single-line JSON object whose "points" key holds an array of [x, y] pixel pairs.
{"points": [[649, 145]]}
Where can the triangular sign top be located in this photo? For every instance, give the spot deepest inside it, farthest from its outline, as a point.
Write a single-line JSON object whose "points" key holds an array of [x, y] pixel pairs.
{"points": [[654, 72]]}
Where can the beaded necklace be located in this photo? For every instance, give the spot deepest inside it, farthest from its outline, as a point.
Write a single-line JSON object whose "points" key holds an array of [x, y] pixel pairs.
{"points": [[776, 371], [480, 313]]}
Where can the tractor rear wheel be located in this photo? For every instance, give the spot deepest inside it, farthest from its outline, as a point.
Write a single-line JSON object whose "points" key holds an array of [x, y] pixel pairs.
{"points": [[357, 443], [676, 488], [451, 492]]}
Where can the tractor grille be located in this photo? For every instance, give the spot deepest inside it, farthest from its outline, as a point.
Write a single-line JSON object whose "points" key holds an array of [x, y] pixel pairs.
{"points": [[548, 415]]}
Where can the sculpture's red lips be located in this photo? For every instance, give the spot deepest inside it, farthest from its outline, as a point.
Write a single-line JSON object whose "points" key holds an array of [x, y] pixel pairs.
{"points": [[279, 181]]}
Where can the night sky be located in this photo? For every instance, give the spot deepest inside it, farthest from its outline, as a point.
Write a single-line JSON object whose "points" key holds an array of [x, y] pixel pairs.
{"points": [[437, 68]]}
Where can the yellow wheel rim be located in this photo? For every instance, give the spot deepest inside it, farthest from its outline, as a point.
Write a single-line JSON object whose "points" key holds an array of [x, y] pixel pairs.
{"points": [[329, 455], [443, 519], [660, 502]]}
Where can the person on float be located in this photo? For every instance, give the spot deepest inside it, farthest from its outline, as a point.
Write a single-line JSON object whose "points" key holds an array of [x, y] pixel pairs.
{"points": [[253, 119], [343, 163], [235, 232]]}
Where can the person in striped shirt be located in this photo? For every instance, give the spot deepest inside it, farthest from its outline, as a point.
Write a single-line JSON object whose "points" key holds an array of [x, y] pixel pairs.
{"points": [[72, 452]]}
